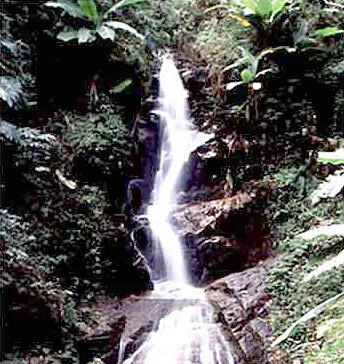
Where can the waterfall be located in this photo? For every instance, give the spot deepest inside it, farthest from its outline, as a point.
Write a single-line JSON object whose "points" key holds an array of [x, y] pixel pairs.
{"points": [[188, 334], [178, 141]]}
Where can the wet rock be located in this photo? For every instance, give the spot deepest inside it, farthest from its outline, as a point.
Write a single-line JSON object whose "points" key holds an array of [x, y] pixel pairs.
{"points": [[225, 215], [146, 142], [211, 258], [204, 217], [103, 344], [242, 307], [133, 342]]}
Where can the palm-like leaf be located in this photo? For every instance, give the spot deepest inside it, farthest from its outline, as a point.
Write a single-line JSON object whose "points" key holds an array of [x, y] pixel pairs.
{"points": [[249, 4], [67, 36], [123, 26], [84, 35], [231, 85], [106, 32], [89, 9], [278, 5], [123, 4], [264, 7], [69, 7]]}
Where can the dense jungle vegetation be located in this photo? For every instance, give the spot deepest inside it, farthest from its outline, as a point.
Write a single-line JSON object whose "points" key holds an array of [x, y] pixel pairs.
{"points": [[78, 153]]}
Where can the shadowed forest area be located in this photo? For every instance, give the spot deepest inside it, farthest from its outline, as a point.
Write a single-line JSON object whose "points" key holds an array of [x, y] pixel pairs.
{"points": [[258, 209]]}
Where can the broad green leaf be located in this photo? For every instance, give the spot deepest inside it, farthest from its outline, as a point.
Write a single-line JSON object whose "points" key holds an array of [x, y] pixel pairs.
{"points": [[231, 85], [84, 35], [264, 7], [124, 26], [277, 6], [67, 36], [122, 86], [250, 4], [106, 32], [327, 32], [89, 9], [123, 4], [68, 6], [247, 75]]}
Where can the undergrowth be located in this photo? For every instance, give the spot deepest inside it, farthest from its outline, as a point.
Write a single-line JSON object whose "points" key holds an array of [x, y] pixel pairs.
{"points": [[291, 296]]}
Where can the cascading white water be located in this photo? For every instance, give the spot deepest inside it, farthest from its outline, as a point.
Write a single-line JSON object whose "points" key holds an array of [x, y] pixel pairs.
{"points": [[187, 335], [178, 141]]}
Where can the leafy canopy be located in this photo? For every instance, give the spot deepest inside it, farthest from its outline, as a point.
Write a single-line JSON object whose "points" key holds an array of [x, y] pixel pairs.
{"points": [[88, 10]]}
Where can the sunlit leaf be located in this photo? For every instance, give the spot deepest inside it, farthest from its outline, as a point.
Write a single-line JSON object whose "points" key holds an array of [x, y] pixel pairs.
{"points": [[264, 7], [125, 27], [231, 85], [278, 6], [250, 4], [123, 4], [247, 75], [122, 86], [89, 9], [106, 32], [84, 35], [241, 20], [261, 73], [68, 6], [67, 36], [327, 32]]}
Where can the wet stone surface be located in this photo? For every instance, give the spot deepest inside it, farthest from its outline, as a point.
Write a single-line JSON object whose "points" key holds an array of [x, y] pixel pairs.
{"points": [[242, 307]]}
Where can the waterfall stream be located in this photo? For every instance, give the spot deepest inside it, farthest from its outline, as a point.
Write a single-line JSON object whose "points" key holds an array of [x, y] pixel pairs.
{"points": [[188, 334]]}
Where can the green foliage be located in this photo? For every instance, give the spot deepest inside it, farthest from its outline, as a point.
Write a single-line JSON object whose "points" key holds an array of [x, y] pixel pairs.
{"points": [[327, 32], [332, 348], [122, 86], [97, 132], [68, 6], [88, 10], [14, 80], [251, 73], [265, 9], [70, 231], [246, 75], [292, 297], [20, 270]]}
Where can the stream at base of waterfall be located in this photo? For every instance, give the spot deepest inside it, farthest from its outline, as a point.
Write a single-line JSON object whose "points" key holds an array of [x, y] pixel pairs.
{"points": [[188, 334]]}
